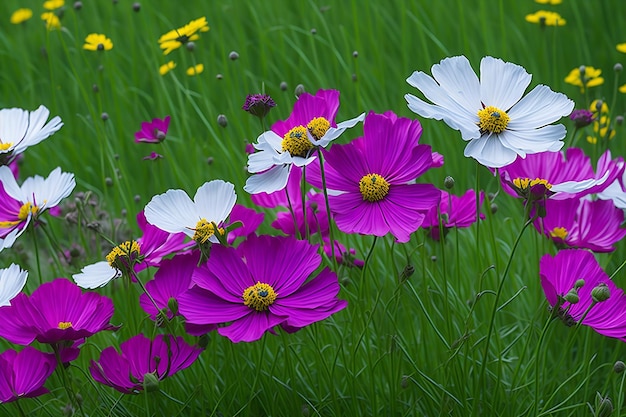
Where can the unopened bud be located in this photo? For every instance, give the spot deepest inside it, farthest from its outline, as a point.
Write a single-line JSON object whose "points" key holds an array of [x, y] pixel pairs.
{"points": [[136, 6], [355, 54], [233, 56], [172, 305], [407, 272], [150, 382], [222, 120], [203, 341], [619, 367], [583, 70], [572, 296], [448, 182], [191, 46], [283, 86], [78, 5], [618, 67], [604, 406], [219, 76], [108, 181], [104, 116], [299, 90], [494, 208], [579, 283], [599, 104], [313, 31], [600, 293], [619, 120]]}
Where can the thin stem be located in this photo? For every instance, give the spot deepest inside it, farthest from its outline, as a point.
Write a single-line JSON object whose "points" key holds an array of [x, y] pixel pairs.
{"points": [[303, 196], [67, 382], [37, 260], [19, 407], [330, 224], [538, 361]]}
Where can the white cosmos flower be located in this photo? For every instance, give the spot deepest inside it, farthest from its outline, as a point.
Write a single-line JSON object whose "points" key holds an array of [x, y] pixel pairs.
{"points": [[12, 280], [20, 204], [491, 113], [20, 129], [175, 212], [272, 163]]}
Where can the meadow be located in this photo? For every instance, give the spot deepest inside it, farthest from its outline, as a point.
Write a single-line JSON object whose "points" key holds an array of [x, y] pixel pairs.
{"points": [[458, 325]]}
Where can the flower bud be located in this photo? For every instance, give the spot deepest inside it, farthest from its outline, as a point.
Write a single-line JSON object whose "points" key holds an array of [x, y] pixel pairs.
{"points": [[191, 46], [172, 305], [600, 293], [355, 54], [619, 120], [619, 367], [407, 272], [283, 86], [599, 104], [494, 208], [222, 120], [136, 6], [572, 296], [233, 56], [579, 283], [150, 382], [104, 116], [618, 67], [78, 5], [448, 182], [299, 90], [604, 406]]}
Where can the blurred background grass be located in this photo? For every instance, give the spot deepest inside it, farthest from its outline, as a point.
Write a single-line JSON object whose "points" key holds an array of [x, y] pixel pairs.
{"points": [[401, 348]]}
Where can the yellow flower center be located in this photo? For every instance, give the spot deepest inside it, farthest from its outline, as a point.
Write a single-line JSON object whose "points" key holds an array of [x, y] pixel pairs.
{"points": [[558, 232], [318, 127], [492, 119], [526, 183], [5, 146], [27, 209], [65, 325], [297, 142], [124, 255], [373, 187], [259, 296], [204, 230]]}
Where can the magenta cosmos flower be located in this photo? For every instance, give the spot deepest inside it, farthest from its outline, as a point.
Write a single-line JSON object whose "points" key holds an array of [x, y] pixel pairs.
{"points": [[560, 176], [140, 358], [562, 275], [455, 211], [56, 312], [154, 131], [372, 179], [293, 141], [22, 374], [261, 284], [580, 223]]}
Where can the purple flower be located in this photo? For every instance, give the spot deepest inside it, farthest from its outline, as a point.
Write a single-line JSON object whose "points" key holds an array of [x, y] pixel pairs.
{"points": [[581, 118], [261, 284], [455, 212], [154, 131], [155, 243], [141, 358], [250, 222], [23, 374], [561, 276], [581, 223], [152, 157], [560, 176], [258, 105], [56, 312], [372, 179]]}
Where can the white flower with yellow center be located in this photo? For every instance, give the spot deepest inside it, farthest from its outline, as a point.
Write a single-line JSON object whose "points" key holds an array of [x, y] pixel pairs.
{"points": [[20, 204], [20, 129], [12, 280], [491, 112], [200, 219]]}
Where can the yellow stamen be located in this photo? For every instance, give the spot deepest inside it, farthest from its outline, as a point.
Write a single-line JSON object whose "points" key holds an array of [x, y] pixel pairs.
{"points": [[259, 296], [525, 183], [492, 119], [297, 142], [558, 232], [63, 325], [5, 146], [318, 127], [373, 187], [124, 255], [204, 230], [26, 210]]}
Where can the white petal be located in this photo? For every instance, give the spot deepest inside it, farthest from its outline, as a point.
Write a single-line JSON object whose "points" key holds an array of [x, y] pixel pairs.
{"points": [[535, 140], [459, 119], [10, 239], [573, 187], [49, 192], [36, 130], [10, 185], [271, 138], [215, 200], [173, 212], [12, 280], [13, 125], [269, 181], [334, 132], [96, 275], [300, 162], [616, 193], [540, 107], [489, 151], [261, 161], [502, 84]]}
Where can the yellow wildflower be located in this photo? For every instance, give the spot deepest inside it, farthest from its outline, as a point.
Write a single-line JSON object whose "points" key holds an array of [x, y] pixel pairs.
{"points": [[195, 70], [621, 47], [546, 18], [174, 39], [165, 68], [585, 77], [52, 20], [21, 15], [97, 42], [553, 2]]}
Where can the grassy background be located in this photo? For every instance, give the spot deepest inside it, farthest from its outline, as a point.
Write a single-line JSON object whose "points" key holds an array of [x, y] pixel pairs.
{"points": [[400, 348]]}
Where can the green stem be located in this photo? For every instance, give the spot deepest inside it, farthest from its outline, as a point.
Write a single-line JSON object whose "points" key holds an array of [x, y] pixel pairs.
{"points": [[20, 409], [303, 196], [538, 361], [330, 224]]}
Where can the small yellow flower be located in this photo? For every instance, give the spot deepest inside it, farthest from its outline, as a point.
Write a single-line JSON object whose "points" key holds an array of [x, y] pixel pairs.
{"points": [[53, 4], [97, 42], [622, 89], [585, 77], [195, 70], [546, 18], [621, 47], [602, 122], [52, 20], [174, 39], [553, 2], [21, 15], [165, 68]]}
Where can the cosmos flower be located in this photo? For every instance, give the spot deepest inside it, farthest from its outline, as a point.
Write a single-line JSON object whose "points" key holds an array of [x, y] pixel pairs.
{"points": [[146, 251], [561, 276], [22, 374], [291, 142], [175, 212], [176, 38], [491, 114], [263, 283], [154, 131], [20, 129], [12, 280], [97, 42], [582, 223], [56, 312], [560, 176], [141, 362], [546, 18], [372, 189], [21, 15], [585, 77], [19, 205], [455, 211]]}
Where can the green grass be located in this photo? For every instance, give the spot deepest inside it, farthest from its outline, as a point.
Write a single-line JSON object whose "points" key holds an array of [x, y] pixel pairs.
{"points": [[402, 347]]}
